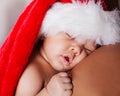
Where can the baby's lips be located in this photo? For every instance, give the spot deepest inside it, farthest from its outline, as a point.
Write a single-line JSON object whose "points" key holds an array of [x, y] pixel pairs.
{"points": [[67, 60]]}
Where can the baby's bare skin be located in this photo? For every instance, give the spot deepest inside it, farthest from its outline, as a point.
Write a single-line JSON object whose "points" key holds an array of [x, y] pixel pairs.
{"points": [[46, 74], [43, 80]]}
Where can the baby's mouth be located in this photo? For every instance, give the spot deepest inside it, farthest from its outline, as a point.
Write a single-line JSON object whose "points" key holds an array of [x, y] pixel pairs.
{"points": [[67, 60]]}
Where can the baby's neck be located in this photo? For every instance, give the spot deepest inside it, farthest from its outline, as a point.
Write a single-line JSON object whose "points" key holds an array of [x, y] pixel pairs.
{"points": [[45, 65]]}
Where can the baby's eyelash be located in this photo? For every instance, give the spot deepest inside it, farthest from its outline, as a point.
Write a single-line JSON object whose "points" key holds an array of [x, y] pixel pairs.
{"points": [[88, 50], [69, 36]]}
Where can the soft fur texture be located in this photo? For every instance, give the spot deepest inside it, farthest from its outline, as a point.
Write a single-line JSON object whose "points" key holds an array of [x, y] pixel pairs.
{"points": [[86, 20]]}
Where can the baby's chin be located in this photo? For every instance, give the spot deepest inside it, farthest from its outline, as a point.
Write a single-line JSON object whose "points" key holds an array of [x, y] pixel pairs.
{"points": [[65, 69]]}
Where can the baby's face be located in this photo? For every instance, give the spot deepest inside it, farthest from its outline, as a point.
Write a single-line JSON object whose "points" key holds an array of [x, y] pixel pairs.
{"points": [[63, 52]]}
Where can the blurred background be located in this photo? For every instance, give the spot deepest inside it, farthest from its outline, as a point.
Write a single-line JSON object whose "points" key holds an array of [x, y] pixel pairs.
{"points": [[11, 9], [9, 12]]}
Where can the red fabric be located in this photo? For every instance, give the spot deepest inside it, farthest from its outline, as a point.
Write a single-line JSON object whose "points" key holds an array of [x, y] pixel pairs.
{"points": [[16, 49]]}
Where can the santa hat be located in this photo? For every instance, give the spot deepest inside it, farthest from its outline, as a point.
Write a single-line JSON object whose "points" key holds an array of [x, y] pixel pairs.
{"points": [[17, 47], [86, 20]]}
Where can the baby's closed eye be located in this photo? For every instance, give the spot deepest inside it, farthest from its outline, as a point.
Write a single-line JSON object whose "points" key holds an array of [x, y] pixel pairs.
{"points": [[69, 36], [88, 50]]}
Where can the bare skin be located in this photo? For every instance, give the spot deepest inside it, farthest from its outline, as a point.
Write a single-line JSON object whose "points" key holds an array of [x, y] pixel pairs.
{"points": [[46, 73]]}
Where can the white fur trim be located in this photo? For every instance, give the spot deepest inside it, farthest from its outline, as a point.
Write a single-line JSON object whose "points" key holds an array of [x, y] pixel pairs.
{"points": [[83, 21]]}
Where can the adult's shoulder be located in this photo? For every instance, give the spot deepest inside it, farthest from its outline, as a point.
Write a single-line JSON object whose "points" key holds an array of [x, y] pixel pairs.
{"points": [[99, 73]]}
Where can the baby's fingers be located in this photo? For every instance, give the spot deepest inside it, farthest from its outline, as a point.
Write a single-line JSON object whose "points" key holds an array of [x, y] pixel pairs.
{"points": [[66, 80], [68, 93], [63, 74], [68, 86]]}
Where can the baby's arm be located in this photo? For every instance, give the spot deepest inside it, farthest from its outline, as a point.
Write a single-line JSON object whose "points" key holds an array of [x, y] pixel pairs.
{"points": [[59, 85], [30, 83]]}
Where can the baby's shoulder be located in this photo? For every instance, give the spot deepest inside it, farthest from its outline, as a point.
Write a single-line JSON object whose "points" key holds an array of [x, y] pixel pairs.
{"points": [[31, 81], [35, 70]]}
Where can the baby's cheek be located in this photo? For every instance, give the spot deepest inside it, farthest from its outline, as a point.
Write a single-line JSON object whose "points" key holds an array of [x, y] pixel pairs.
{"points": [[81, 57], [91, 45]]}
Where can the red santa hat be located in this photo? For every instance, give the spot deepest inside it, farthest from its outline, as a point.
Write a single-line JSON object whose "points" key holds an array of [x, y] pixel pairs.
{"points": [[17, 47], [83, 20]]}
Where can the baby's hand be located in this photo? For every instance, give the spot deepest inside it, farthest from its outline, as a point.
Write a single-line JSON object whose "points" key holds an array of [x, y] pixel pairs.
{"points": [[60, 85]]}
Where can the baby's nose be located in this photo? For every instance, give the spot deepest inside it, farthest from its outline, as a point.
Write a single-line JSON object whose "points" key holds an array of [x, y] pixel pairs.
{"points": [[76, 49]]}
